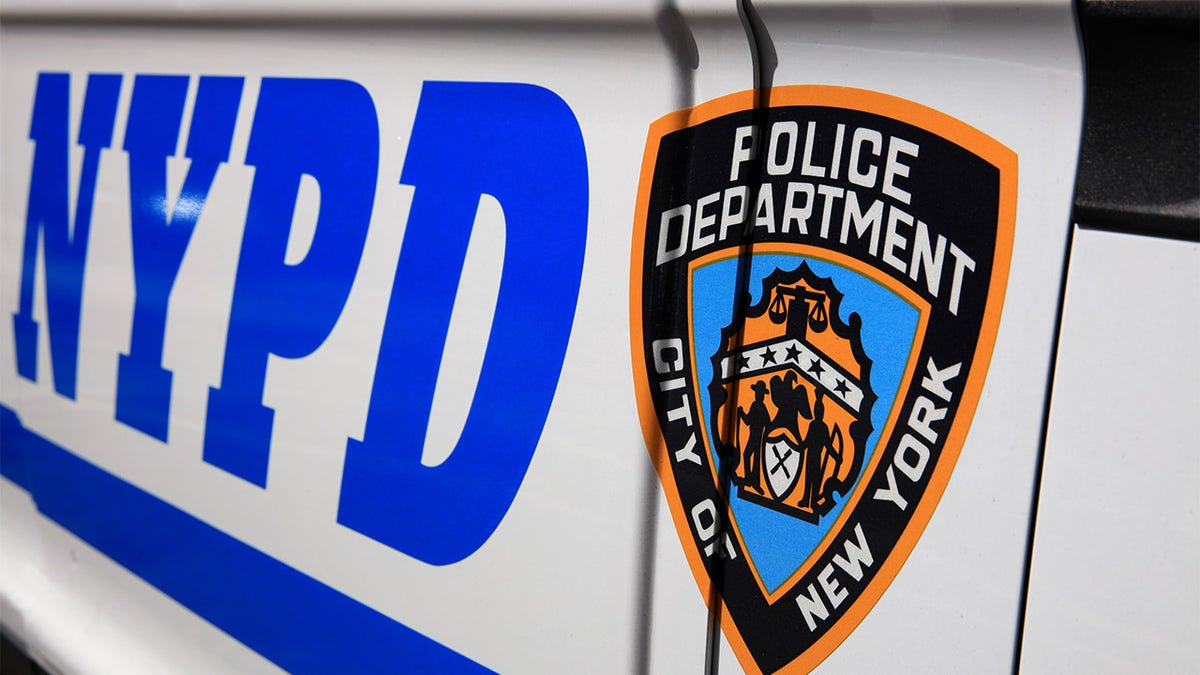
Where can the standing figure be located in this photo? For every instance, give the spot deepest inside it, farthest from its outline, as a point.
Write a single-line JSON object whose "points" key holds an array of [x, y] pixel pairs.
{"points": [[816, 443], [791, 403], [757, 419]]}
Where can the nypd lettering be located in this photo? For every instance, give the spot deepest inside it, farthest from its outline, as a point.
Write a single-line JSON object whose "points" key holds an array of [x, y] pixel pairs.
{"points": [[468, 140], [816, 289]]}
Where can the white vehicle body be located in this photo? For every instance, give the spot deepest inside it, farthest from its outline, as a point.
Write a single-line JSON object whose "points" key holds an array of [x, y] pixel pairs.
{"points": [[1067, 537]]}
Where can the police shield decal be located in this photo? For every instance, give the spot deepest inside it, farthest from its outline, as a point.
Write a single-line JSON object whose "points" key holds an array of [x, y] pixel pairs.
{"points": [[816, 288]]}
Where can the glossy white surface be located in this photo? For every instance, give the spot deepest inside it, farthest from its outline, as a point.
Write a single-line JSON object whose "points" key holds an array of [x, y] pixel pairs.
{"points": [[1115, 586], [74, 610], [458, 9], [586, 573]]}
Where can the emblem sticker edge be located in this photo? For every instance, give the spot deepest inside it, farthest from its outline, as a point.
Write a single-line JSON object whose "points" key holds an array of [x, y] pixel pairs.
{"points": [[935, 122]]}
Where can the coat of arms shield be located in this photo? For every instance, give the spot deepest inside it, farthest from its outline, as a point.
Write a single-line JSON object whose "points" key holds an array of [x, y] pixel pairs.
{"points": [[798, 441]]}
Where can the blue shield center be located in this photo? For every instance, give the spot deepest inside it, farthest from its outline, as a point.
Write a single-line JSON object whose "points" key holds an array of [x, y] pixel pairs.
{"points": [[777, 543]]}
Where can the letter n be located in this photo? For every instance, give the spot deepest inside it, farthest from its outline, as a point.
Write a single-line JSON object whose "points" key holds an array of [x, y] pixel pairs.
{"points": [[48, 220]]}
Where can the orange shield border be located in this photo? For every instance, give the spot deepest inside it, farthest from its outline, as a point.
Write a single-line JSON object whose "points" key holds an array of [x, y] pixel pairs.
{"points": [[899, 194]]}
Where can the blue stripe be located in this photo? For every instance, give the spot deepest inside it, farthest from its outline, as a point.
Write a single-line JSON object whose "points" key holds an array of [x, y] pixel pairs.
{"points": [[290, 618]]}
